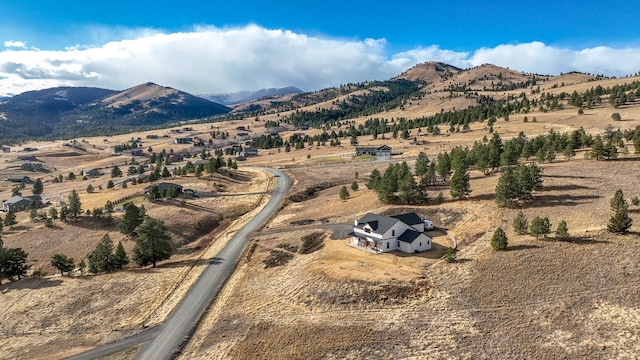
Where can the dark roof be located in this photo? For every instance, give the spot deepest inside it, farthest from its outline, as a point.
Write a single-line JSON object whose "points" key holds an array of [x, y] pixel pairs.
{"points": [[408, 218], [17, 198], [163, 186], [409, 236], [17, 178], [378, 223]]}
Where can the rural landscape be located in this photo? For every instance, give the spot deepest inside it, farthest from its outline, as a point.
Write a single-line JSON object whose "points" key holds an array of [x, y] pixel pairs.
{"points": [[525, 185]]}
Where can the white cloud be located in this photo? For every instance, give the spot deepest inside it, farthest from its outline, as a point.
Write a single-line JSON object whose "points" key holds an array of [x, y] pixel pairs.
{"points": [[14, 44], [210, 59]]}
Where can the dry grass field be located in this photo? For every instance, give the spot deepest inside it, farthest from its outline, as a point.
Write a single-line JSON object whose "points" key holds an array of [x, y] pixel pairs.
{"points": [[541, 299]]}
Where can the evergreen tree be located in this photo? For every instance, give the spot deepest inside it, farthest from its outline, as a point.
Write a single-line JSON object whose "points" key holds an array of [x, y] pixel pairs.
{"points": [[13, 263], [562, 232], [620, 222], [165, 173], [82, 266], [37, 187], [374, 179], [101, 259], [131, 219], [110, 184], [63, 263], [10, 219], [120, 257], [354, 186], [116, 172], [153, 243], [460, 186], [422, 164], [64, 212], [344, 193], [540, 226], [75, 206], [90, 189], [499, 240], [521, 224]]}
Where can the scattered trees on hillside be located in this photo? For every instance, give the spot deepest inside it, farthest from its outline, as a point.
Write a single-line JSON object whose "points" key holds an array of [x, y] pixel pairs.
{"points": [[132, 218], [38, 187], [518, 183], [460, 186], [562, 232], [344, 193], [10, 219], [101, 259]]}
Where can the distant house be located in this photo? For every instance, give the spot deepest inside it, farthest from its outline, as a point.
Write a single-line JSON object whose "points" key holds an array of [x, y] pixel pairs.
{"points": [[379, 151], [152, 136], [187, 129], [403, 232], [20, 203], [177, 157], [247, 152], [28, 149], [185, 140], [6, 149], [163, 187], [241, 128], [137, 152], [27, 158], [175, 131], [92, 173], [32, 166], [18, 179]]}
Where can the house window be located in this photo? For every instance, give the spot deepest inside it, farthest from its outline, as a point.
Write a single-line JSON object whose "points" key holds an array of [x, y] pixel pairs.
{"points": [[398, 244], [420, 245], [393, 233], [428, 243], [367, 230], [387, 245]]}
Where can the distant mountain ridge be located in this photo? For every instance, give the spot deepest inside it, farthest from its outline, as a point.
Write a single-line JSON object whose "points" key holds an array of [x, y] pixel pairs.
{"points": [[234, 98], [74, 111]]}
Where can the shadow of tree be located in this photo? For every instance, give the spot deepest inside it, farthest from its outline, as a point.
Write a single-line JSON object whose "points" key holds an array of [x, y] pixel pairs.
{"points": [[543, 200], [32, 284], [522, 247]]}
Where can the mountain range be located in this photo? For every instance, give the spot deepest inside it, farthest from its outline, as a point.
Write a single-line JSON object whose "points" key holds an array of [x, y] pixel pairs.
{"points": [[63, 112], [423, 90], [234, 98]]}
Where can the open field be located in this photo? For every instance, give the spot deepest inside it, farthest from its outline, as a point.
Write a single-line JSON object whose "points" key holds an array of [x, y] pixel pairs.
{"points": [[540, 299]]}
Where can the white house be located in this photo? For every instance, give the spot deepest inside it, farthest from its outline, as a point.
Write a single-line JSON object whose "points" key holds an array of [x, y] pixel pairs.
{"points": [[403, 232]]}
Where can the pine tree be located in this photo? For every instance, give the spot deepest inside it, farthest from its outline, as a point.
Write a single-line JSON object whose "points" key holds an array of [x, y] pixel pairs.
{"points": [[354, 186], [63, 263], [344, 193], [101, 259], [460, 186], [521, 224], [562, 232], [153, 243], [499, 240], [422, 164], [540, 226], [10, 219], [37, 187], [131, 219], [116, 172], [75, 206], [120, 257], [620, 222]]}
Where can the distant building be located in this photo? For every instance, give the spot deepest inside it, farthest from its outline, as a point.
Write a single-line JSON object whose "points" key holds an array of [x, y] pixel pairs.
{"points": [[137, 152], [379, 151], [247, 152], [177, 157], [28, 149], [187, 129], [403, 232], [6, 149], [152, 136], [92, 173], [20, 203], [185, 140], [32, 166], [18, 179], [27, 158]]}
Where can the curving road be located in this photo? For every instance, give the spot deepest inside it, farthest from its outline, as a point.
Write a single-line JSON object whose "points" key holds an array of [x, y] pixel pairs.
{"points": [[163, 341]]}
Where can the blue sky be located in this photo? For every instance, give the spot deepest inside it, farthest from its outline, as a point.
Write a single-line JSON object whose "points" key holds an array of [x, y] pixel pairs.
{"points": [[244, 45]]}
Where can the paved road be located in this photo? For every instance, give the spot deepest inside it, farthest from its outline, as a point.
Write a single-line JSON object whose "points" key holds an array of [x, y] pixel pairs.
{"points": [[163, 341]]}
